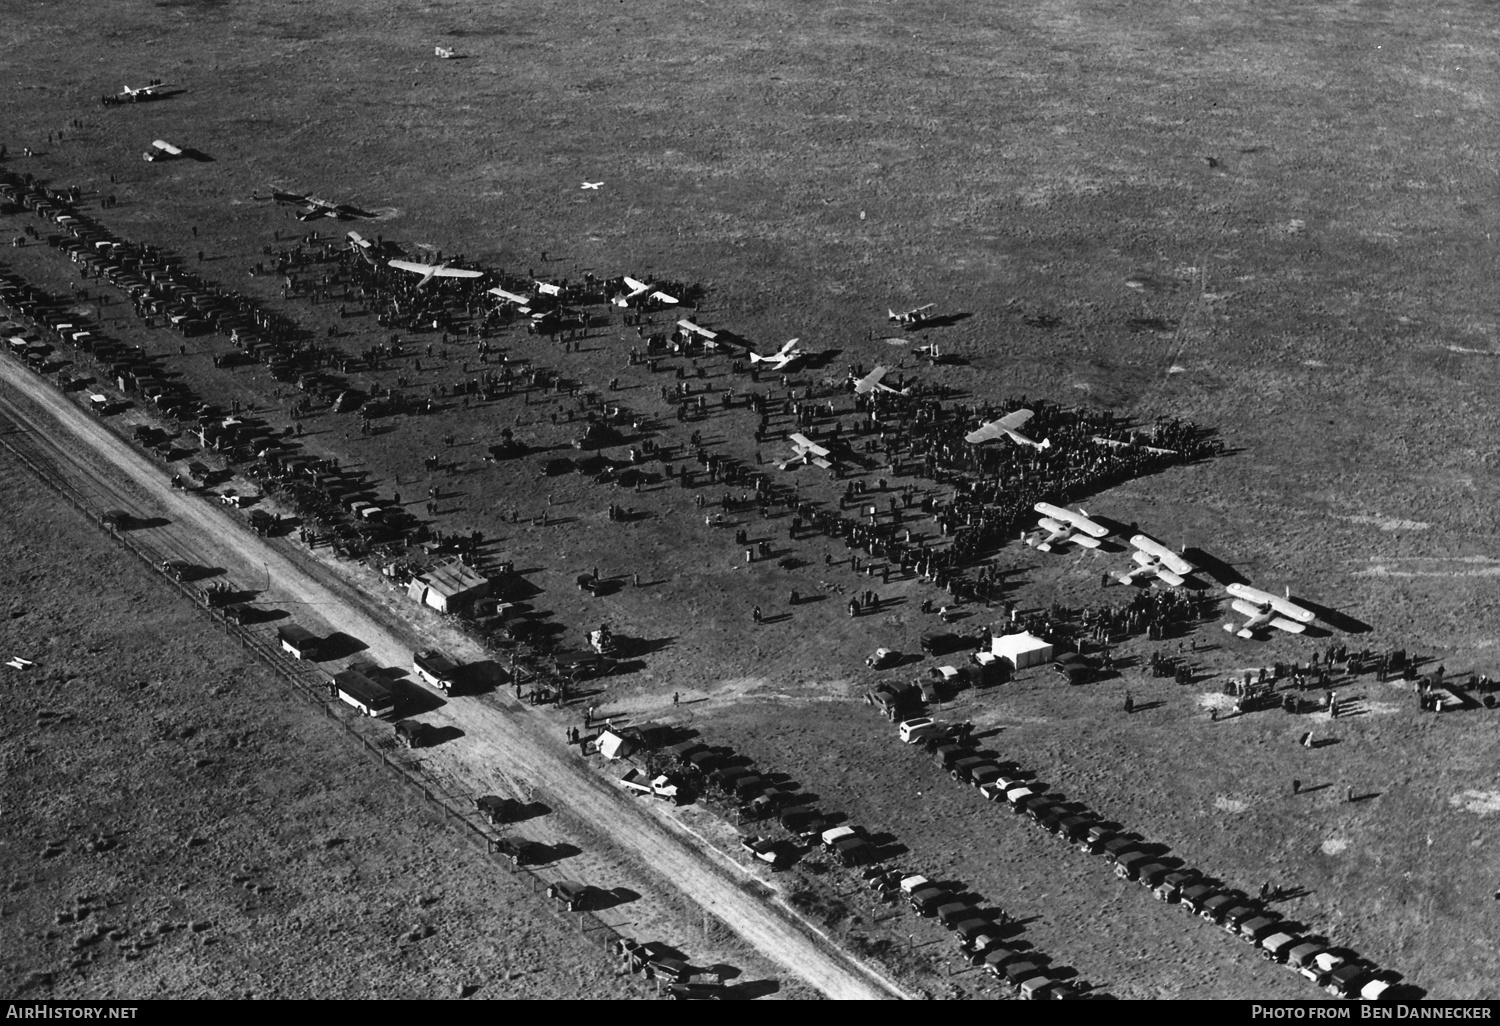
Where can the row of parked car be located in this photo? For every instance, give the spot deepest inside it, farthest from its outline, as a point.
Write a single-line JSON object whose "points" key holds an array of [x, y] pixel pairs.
{"points": [[981, 932], [1337, 970], [758, 798]]}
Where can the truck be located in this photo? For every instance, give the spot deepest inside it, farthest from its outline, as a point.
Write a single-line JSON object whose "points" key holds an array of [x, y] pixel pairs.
{"points": [[662, 787], [435, 669]]}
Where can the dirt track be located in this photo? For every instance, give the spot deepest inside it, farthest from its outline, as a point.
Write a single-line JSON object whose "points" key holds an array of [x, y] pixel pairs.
{"points": [[495, 731]]}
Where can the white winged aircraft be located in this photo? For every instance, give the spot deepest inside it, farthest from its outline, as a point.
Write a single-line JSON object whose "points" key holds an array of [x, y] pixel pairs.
{"points": [[161, 151], [443, 52], [805, 450], [430, 271], [1153, 559], [1009, 426], [640, 291], [146, 92], [911, 318], [1266, 610], [1064, 525], [710, 338], [514, 298], [782, 358], [872, 381]]}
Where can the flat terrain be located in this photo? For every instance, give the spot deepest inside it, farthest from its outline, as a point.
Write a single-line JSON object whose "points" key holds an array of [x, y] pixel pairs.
{"points": [[179, 827], [1274, 221]]}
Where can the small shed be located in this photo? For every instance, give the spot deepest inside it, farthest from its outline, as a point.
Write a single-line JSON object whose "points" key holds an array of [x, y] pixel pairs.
{"points": [[449, 588], [1022, 650]]}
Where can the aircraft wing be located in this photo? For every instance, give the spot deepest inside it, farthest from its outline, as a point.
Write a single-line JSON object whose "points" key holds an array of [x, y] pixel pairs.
{"points": [[786, 349], [413, 266], [509, 297], [1056, 533], [803, 442], [924, 309], [547, 289], [636, 287], [1290, 609], [870, 381], [1265, 599], [698, 330], [985, 433], [457, 272], [167, 147], [1149, 548], [1011, 421], [287, 197], [664, 299], [359, 240]]}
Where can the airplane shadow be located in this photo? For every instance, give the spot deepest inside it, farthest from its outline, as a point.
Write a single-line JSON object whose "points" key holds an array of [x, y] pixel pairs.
{"points": [[944, 321], [1214, 567], [1334, 618]]}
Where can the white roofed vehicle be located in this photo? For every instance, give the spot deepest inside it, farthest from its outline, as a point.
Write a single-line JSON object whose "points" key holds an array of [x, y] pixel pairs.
{"points": [[912, 731], [435, 669]]}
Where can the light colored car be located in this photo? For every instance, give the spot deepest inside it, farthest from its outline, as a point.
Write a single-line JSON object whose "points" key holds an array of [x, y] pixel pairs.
{"points": [[912, 731]]}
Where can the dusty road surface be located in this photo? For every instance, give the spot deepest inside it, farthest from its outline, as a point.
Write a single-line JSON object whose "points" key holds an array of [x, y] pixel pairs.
{"points": [[494, 731]]}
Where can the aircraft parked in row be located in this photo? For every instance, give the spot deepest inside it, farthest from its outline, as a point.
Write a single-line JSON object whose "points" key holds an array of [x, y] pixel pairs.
{"points": [[1066, 526], [1266, 610]]}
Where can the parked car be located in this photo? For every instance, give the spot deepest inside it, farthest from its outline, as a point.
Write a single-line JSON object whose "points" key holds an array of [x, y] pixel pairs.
{"points": [[1278, 944], [1256, 929], [925, 900], [571, 894], [1128, 867], [520, 851], [1193, 895], [1348, 981], [913, 730], [773, 853]]}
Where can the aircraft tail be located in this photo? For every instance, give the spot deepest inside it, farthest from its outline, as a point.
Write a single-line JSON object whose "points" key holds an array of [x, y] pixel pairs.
{"points": [[891, 315], [1046, 444]]}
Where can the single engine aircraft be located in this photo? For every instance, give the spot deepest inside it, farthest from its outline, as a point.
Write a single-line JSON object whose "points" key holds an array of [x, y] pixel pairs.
{"points": [[911, 318], [161, 151], [640, 292], [1153, 559], [430, 271], [805, 450], [872, 381], [443, 52], [1266, 610], [710, 339], [1064, 525], [1008, 425], [513, 298], [782, 358], [145, 92]]}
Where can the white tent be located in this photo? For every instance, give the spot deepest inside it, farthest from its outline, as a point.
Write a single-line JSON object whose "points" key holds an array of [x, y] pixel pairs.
{"points": [[1022, 650], [612, 745]]}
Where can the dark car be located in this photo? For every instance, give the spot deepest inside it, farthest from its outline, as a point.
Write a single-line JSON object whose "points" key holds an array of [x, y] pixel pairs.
{"points": [[520, 851]]}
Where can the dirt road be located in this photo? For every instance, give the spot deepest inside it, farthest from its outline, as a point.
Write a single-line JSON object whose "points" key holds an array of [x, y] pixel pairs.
{"points": [[495, 731]]}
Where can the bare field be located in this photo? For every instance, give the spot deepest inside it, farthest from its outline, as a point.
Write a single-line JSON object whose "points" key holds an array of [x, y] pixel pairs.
{"points": [[1276, 222], [179, 827]]}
